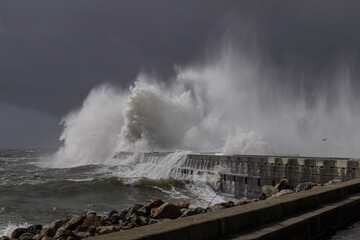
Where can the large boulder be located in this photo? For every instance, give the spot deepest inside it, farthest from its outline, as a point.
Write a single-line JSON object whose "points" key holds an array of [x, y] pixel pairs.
{"points": [[92, 220], [49, 230], [63, 234], [303, 186], [74, 220], [154, 204], [283, 192], [268, 190], [284, 184], [34, 229], [182, 205], [167, 210], [18, 232]]}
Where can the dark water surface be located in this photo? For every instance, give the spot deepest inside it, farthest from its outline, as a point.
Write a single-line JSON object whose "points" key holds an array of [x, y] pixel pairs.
{"points": [[31, 193]]}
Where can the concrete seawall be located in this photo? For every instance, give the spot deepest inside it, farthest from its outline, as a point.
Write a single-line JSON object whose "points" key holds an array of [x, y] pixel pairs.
{"points": [[300, 215], [244, 175]]}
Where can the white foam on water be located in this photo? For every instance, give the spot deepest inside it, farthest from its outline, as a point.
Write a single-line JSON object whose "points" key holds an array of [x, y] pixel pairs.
{"points": [[6, 228]]}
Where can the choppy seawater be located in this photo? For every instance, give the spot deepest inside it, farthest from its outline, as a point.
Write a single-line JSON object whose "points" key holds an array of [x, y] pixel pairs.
{"points": [[32, 192]]}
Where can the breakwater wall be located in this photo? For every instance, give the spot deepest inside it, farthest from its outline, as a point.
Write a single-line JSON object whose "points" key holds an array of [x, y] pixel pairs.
{"points": [[243, 175]]}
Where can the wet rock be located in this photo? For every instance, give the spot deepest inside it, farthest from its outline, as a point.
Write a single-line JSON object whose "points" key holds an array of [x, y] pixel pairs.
{"points": [[50, 229], [92, 220], [215, 208], [269, 190], [18, 232], [143, 221], [188, 213], [46, 238], [227, 204], [38, 236], [34, 229], [81, 228], [74, 221], [92, 230], [106, 230], [63, 234], [284, 184], [282, 192], [168, 210], [134, 218], [334, 181], [314, 185], [112, 212], [262, 196], [246, 201], [26, 236], [181, 205], [303, 187], [83, 234], [154, 204], [200, 210], [116, 217], [135, 210]]}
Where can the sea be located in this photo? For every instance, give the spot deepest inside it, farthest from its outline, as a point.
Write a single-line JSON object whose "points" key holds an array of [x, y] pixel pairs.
{"points": [[33, 191]]}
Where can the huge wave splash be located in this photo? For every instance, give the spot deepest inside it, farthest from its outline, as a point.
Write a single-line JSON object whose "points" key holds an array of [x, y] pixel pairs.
{"points": [[230, 104]]}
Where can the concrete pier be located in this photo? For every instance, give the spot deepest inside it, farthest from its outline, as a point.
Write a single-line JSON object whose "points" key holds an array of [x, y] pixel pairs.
{"points": [[302, 215]]}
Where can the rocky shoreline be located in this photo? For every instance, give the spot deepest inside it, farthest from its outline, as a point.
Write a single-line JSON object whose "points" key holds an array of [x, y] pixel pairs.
{"points": [[86, 224]]}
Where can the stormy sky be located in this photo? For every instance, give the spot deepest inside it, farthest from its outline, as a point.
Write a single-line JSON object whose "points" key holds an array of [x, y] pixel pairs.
{"points": [[52, 53]]}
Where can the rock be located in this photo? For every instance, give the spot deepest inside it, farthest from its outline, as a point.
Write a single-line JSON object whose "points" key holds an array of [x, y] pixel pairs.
{"points": [[262, 196], [81, 228], [303, 186], [116, 217], [334, 181], [92, 220], [134, 218], [227, 204], [106, 230], [83, 234], [112, 212], [181, 205], [143, 221], [46, 238], [135, 210], [215, 208], [34, 229], [154, 204], [200, 210], [92, 230], [74, 221], [269, 190], [50, 229], [284, 184], [4, 238], [38, 236], [188, 213], [168, 210], [18, 232], [282, 192], [63, 234], [314, 185], [26, 236]]}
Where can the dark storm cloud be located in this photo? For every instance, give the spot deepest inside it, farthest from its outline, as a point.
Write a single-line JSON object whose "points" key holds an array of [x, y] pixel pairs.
{"points": [[53, 52]]}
